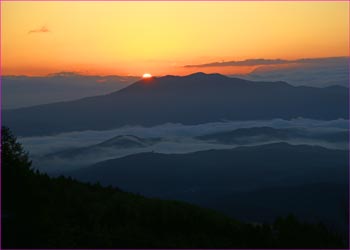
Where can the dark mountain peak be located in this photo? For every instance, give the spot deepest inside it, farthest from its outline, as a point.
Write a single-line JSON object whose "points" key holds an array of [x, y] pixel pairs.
{"points": [[197, 75], [201, 76], [194, 82], [168, 77], [198, 82]]}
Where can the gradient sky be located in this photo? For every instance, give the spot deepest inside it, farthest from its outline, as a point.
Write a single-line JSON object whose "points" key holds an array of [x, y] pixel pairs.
{"points": [[131, 38]]}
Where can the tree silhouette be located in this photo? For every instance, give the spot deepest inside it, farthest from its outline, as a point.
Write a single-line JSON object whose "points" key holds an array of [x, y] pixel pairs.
{"points": [[15, 168], [12, 152]]}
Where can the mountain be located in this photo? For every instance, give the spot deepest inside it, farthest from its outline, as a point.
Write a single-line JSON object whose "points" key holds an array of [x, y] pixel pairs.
{"points": [[26, 91], [117, 142], [255, 183], [242, 168], [242, 136], [192, 99]]}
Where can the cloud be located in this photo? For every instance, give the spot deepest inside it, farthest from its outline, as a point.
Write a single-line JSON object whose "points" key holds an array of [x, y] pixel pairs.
{"points": [[248, 62], [314, 72], [258, 62], [48, 144], [43, 29], [176, 139]]}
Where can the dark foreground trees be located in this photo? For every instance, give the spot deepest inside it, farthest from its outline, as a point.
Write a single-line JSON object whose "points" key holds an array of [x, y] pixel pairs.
{"points": [[43, 212]]}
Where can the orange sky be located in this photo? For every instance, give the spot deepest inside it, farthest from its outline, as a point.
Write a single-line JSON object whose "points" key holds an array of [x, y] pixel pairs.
{"points": [[131, 38]]}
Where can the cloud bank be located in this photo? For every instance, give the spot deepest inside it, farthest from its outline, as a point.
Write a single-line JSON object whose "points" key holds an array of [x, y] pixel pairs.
{"points": [[176, 138], [323, 72], [258, 62]]}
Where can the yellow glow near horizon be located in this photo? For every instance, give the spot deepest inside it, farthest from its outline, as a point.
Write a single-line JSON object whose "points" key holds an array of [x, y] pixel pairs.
{"points": [[129, 38]]}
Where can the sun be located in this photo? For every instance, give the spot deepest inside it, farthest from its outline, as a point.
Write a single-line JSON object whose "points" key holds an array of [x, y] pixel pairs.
{"points": [[146, 76]]}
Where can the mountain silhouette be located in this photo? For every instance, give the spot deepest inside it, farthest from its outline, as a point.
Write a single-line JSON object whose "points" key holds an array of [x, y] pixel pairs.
{"points": [[235, 180], [172, 175], [192, 99]]}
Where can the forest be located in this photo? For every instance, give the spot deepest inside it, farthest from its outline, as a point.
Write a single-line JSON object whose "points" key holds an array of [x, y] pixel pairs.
{"points": [[39, 211]]}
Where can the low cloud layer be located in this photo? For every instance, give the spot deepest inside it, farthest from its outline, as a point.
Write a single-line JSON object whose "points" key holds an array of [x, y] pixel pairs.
{"points": [[176, 138]]}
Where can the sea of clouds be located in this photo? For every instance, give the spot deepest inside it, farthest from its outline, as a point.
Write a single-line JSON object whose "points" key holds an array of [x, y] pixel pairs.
{"points": [[176, 138]]}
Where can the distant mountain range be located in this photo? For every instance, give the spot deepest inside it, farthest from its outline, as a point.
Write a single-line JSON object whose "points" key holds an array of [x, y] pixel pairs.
{"points": [[255, 183], [172, 175], [26, 91], [192, 99]]}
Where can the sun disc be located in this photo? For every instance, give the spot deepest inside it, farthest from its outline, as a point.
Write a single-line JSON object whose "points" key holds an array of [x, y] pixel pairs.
{"points": [[146, 75]]}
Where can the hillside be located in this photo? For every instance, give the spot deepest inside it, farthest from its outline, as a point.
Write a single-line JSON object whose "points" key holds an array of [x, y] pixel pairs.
{"points": [[44, 212]]}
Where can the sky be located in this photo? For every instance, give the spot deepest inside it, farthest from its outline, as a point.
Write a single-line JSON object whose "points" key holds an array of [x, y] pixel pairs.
{"points": [[132, 38]]}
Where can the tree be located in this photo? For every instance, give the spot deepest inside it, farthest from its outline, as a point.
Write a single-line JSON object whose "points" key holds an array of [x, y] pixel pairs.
{"points": [[15, 167], [12, 154]]}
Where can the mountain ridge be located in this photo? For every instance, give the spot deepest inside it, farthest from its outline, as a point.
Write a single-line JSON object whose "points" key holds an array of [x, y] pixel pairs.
{"points": [[169, 172], [193, 99]]}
